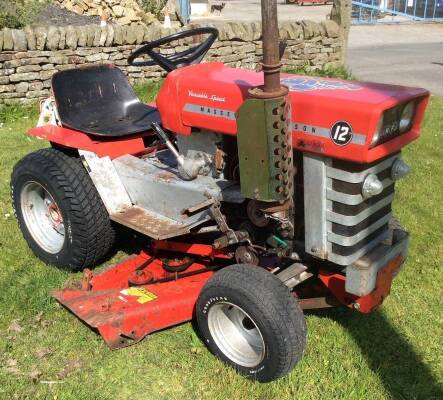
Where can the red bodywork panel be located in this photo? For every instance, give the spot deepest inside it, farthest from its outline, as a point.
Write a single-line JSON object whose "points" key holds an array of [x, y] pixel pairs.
{"points": [[113, 148], [365, 304], [208, 96]]}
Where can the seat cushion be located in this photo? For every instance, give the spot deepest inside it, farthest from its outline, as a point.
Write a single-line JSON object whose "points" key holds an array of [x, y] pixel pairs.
{"points": [[99, 100]]}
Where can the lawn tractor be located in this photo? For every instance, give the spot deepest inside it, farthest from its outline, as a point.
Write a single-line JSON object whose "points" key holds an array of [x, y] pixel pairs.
{"points": [[258, 195]]}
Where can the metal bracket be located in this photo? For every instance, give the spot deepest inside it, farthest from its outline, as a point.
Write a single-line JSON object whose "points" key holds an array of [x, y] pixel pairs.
{"points": [[294, 275], [230, 236]]}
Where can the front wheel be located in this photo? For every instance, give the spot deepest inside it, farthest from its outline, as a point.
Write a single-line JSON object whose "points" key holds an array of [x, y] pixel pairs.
{"points": [[249, 319], [59, 211]]}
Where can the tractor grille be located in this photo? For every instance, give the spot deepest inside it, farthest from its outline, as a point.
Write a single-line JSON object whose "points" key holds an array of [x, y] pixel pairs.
{"points": [[340, 225]]}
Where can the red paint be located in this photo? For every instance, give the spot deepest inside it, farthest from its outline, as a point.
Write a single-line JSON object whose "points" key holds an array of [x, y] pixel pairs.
{"points": [[121, 319], [113, 148], [321, 108], [336, 284], [383, 287], [215, 85]]}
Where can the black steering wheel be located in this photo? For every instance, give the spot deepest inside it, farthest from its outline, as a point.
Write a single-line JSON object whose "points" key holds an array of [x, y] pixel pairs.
{"points": [[193, 55]]}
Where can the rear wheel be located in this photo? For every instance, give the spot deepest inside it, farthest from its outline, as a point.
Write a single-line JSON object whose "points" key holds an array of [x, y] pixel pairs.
{"points": [[59, 211], [250, 320]]}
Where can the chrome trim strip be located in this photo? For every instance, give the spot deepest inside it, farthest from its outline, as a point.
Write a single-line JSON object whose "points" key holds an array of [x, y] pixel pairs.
{"points": [[209, 111], [357, 138], [352, 199], [347, 260], [351, 240], [351, 220], [315, 204], [357, 177]]}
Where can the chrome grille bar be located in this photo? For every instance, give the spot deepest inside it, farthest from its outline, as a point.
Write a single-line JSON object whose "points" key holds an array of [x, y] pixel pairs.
{"points": [[341, 225]]}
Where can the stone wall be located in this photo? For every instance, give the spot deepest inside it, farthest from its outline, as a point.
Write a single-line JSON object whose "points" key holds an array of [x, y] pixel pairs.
{"points": [[29, 57]]}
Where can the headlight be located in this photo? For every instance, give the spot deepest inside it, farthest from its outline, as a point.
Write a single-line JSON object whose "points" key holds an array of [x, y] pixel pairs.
{"points": [[406, 117], [377, 131], [393, 122], [399, 169], [371, 186]]}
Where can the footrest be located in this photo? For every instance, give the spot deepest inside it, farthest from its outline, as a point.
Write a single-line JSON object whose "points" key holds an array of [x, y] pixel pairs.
{"points": [[149, 223]]}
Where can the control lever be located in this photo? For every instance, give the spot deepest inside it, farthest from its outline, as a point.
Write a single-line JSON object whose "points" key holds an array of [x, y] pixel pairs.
{"points": [[188, 169], [164, 138]]}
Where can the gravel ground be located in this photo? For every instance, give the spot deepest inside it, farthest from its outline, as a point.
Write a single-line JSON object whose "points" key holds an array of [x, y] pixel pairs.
{"points": [[55, 15]]}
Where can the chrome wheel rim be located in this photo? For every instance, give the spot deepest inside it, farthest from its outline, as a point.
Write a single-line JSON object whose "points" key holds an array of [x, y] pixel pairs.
{"points": [[236, 334], [42, 217]]}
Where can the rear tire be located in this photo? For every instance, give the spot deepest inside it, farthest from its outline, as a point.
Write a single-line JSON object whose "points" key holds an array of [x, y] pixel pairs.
{"points": [[59, 210], [249, 319]]}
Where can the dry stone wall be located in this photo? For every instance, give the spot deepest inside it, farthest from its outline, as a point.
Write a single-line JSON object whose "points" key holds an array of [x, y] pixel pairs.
{"points": [[29, 57]]}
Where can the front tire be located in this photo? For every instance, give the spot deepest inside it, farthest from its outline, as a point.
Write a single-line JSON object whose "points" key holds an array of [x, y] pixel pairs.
{"points": [[249, 319], [59, 211]]}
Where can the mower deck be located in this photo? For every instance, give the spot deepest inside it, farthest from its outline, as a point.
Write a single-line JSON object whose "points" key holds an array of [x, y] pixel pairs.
{"points": [[129, 300]]}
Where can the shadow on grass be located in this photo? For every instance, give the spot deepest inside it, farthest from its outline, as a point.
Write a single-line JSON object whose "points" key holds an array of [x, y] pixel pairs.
{"points": [[403, 374]]}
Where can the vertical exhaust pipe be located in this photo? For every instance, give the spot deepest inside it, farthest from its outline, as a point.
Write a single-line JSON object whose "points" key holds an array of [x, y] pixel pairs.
{"points": [[271, 52], [266, 116]]}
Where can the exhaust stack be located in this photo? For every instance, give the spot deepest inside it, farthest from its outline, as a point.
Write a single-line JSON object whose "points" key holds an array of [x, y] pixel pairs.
{"points": [[271, 53], [264, 135]]}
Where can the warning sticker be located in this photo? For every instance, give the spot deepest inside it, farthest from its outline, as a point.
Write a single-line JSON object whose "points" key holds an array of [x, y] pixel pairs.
{"points": [[143, 295]]}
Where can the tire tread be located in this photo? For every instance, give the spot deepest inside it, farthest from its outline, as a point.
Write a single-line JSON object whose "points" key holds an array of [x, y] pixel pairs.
{"points": [[275, 304], [94, 235]]}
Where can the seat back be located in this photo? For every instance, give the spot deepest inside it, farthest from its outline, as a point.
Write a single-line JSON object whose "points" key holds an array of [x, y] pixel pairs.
{"points": [[95, 99]]}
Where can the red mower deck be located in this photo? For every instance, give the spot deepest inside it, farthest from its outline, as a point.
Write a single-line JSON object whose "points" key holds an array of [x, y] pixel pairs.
{"points": [[124, 313]]}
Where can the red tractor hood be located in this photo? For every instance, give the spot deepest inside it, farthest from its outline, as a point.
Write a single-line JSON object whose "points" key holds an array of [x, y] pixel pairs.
{"points": [[208, 96]]}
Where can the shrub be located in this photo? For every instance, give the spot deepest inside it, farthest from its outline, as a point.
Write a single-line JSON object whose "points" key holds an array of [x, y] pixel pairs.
{"points": [[153, 6], [18, 13]]}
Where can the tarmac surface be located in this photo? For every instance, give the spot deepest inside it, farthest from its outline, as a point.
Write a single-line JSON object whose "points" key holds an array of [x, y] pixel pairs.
{"points": [[404, 54]]}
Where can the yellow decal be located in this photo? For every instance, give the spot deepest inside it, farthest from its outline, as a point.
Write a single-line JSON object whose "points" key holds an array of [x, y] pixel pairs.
{"points": [[143, 295]]}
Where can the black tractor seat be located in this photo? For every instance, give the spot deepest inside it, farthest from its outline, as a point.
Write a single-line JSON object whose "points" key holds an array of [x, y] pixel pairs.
{"points": [[99, 101]]}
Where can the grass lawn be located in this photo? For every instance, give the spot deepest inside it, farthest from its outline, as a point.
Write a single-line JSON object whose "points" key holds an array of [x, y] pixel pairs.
{"points": [[394, 353]]}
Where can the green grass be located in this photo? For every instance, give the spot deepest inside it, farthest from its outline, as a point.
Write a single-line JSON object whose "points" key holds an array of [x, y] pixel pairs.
{"points": [[18, 13], [340, 72], [394, 353]]}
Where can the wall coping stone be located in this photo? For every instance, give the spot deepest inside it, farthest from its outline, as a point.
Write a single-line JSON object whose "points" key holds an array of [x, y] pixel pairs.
{"points": [[53, 38]]}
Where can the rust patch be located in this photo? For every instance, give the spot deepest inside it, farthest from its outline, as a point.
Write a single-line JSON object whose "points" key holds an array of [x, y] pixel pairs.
{"points": [[166, 176], [86, 279], [219, 159], [148, 223]]}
